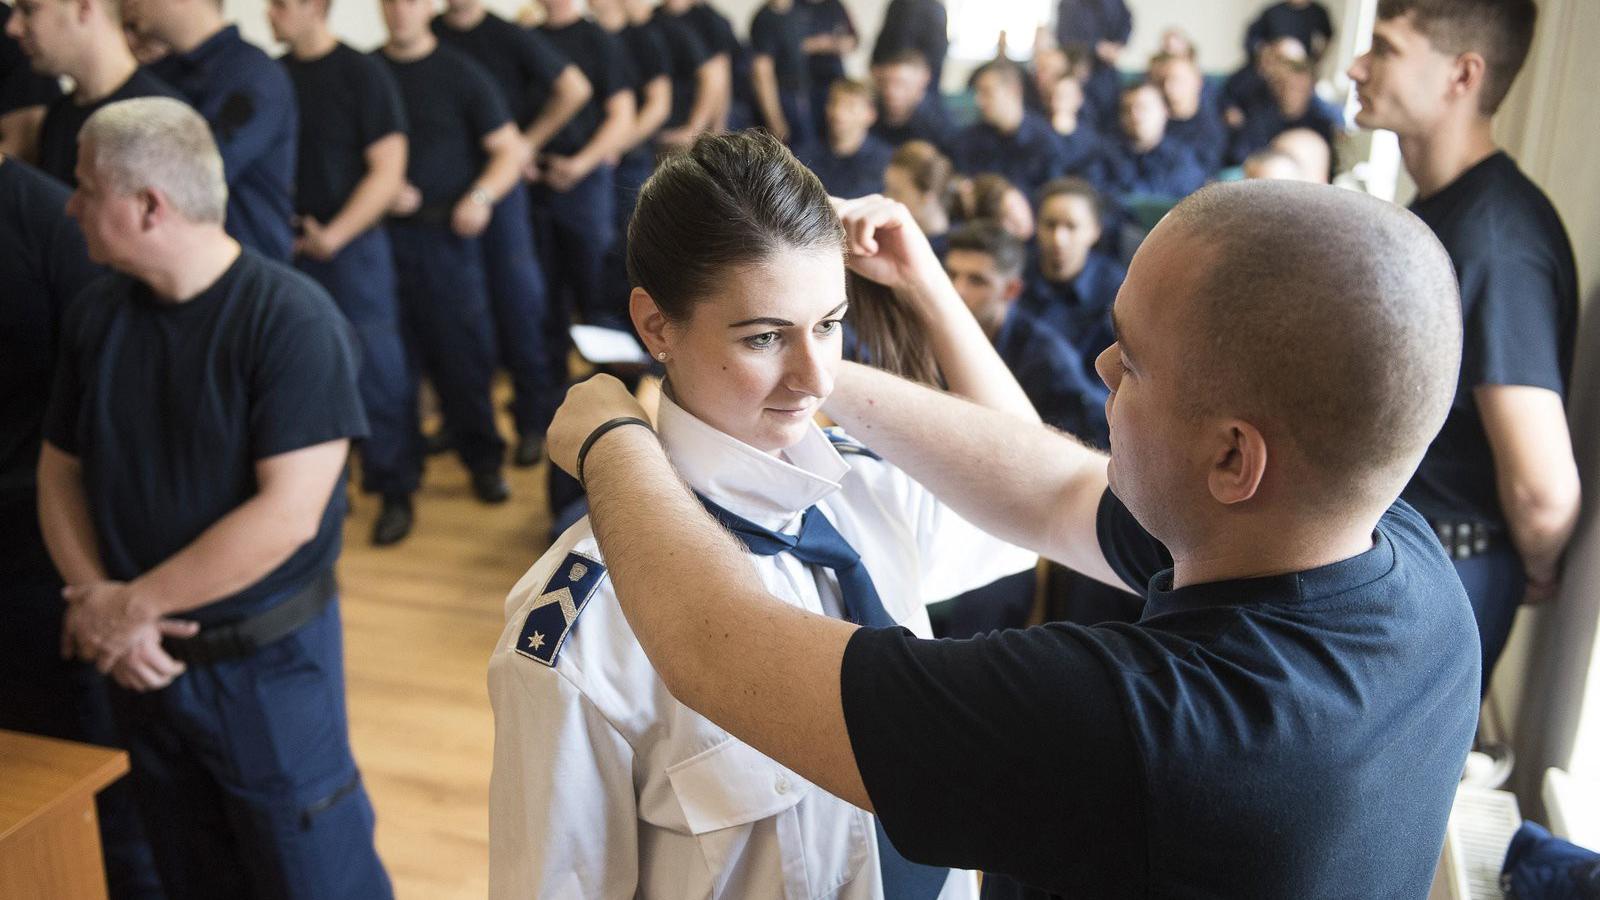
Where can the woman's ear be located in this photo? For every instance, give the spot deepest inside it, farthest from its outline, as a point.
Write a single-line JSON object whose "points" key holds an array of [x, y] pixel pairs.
{"points": [[651, 324]]}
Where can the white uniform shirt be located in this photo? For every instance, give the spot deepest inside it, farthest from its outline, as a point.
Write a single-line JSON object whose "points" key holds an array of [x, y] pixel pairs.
{"points": [[604, 786]]}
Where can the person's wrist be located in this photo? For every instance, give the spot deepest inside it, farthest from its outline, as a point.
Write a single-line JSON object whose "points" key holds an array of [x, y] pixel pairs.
{"points": [[481, 196], [599, 433]]}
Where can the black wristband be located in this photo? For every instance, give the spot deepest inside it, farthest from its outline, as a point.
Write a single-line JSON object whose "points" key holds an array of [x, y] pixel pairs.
{"points": [[604, 427]]}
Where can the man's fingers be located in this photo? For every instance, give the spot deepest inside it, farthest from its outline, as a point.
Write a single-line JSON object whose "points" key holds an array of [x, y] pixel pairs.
{"points": [[178, 628]]}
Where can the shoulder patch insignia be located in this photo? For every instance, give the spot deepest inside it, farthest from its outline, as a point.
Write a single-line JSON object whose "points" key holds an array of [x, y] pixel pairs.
{"points": [[557, 609], [849, 445]]}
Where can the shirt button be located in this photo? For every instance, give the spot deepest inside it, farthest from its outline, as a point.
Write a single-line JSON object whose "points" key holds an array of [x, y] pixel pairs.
{"points": [[782, 785]]}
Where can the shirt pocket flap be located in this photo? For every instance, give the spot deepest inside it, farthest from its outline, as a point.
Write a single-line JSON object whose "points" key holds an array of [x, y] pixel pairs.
{"points": [[733, 784]]}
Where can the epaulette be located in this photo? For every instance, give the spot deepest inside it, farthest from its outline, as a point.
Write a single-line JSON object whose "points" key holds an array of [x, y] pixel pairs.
{"points": [[558, 607], [848, 445]]}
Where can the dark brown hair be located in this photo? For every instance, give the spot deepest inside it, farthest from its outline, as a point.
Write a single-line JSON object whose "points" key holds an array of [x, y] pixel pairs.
{"points": [[1501, 31], [930, 170], [734, 200], [987, 237], [1072, 186]]}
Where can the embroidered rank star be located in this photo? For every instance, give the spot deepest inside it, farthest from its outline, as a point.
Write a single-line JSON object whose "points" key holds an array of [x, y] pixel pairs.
{"points": [[553, 614]]}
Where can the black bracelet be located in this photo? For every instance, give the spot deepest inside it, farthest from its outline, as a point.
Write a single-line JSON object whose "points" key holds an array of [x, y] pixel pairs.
{"points": [[604, 427]]}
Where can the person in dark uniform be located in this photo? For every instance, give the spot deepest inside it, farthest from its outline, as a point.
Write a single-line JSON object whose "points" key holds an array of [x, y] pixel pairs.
{"points": [[249, 101], [1294, 104], [780, 71], [351, 167], [85, 44], [736, 102], [464, 156], [830, 34], [1007, 138], [909, 107], [1499, 484], [649, 71], [1143, 159], [1098, 29], [1304, 645], [848, 158], [920, 25], [44, 266], [1073, 285], [698, 73], [1194, 117], [192, 496], [543, 90], [921, 178], [24, 94], [1307, 21], [575, 202], [1080, 140]]}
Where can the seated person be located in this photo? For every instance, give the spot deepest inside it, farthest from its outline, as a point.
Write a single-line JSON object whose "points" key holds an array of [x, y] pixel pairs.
{"points": [[1080, 140], [1307, 21], [920, 177], [1007, 138], [909, 108], [1145, 160], [848, 158], [992, 197], [1073, 285], [604, 784], [1291, 85], [1247, 89], [1049, 65], [1193, 116]]}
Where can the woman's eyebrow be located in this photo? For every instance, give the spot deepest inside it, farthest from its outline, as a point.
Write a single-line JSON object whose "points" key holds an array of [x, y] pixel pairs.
{"points": [[776, 322]]}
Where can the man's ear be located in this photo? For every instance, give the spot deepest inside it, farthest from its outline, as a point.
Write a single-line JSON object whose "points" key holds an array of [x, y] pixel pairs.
{"points": [[1239, 464], [1468, 75]]}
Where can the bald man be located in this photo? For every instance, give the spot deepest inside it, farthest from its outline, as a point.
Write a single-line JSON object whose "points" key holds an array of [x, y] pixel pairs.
{"points": [[1290, 715]]}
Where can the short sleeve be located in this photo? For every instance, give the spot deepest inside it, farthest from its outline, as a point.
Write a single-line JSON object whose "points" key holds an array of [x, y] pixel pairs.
{"points": [[64, 410], [538, 57], [764, 35], [383, 113], [485, 108], [1008, 752], [650, 57], [303, 381], [1513, 333], [613, 67], [1131, 551]]}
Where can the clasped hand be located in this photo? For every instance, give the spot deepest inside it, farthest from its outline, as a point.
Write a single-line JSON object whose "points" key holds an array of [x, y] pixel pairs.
{"points": [[107, 623]]}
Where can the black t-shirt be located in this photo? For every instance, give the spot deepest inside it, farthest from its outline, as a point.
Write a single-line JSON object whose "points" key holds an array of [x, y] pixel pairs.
{"points": [[1519, 309], [20, 86], [599, 55], [686, 53], [1282, 20], [778, 36], [921, 25], [348, 102], [451, 105], [1299, 735], [43, 265], [522, 63], [58, 136], [645, 53], [169, 406]]}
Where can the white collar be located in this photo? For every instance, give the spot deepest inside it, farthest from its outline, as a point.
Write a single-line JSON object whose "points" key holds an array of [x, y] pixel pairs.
{"points": [[768, 490]]}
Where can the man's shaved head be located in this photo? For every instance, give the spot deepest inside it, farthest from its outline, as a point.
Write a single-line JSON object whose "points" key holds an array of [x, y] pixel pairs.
{"points": [[1328, 319]]}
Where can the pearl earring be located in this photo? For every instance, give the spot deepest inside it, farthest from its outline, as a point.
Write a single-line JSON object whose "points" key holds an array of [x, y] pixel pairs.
{"points": [[662, 356]]}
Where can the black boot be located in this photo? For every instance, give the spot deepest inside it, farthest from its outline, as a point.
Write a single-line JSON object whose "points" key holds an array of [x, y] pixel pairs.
{"points": [[490, 486], [530, 449], [394, 520]]}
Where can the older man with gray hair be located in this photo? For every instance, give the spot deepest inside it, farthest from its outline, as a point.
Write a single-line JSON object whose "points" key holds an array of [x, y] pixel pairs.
{"points": [[191, 492]]}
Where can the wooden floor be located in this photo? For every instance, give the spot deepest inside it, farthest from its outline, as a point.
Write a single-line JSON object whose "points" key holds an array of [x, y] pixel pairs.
{"points": [[420, 620]]}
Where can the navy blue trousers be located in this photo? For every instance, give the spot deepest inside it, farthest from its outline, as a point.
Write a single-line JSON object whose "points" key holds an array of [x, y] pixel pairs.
{"points": [[1495, 582], [362, 281], [245, 778], [1000, 604], [521, 305], [444, 304], [575, 231]]}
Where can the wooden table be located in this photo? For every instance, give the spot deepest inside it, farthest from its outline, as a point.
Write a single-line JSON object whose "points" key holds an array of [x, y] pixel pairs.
{"points": [[49, 836]]}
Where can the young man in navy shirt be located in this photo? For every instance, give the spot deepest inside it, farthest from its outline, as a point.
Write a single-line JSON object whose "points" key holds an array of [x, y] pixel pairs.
{"points": [[848, 158], [465, 155], [1143, 159], [1307, 21], [1290, 715], [909, 107], [1073, 285], [1007, 138], [191, 486], [543, 90], [779, 71], [698, 72], [830, 35], [1101, 29], [1194, 118], [85, 42], [1499, 484], [247, 98], [918, 25], [351, 167], [1292, 104], [649, 64]]}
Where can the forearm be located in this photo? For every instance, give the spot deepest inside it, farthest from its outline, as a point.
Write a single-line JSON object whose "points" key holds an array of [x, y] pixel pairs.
{"points": [[723, 98], [612, 135], [1541, 519], [766, 85], [503, 172], [368, 204], [762, 669], [571, 93], [710, 84], [64, 519], [652, 115]]}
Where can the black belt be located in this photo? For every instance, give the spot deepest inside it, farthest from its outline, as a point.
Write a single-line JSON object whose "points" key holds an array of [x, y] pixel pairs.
{"points": [[245, 637], [1466, 539]]}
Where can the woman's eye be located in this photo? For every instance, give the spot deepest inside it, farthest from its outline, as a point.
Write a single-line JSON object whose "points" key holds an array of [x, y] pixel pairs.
{"points": [[763, 340], [829, 327]]}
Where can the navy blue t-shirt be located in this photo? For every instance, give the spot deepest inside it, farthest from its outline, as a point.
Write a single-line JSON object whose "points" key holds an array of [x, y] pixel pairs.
{"points": [[921, 25], [1170, 169], [348, 102], [451, 105], [1205, 133], [778, 36], [1282, 19], [856, 175], [686, 53], [1028, 158], [249, 102], [831, 18], [1055, 376], [1264, 121], [169, 406], [20, 85], [1519, 310], [1299, 735], [599, 54], [928, 122], [521, 61], [716, 32], [43, 266], [1088, 22], [1078, 309], [58, 136], [646, 56]]}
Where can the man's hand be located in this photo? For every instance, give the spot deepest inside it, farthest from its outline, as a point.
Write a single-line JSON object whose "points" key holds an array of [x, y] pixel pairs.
{"points": [[531, 172], [104, 619], [470, 216], [316, 241], [886, 245], [679, 138], [564, 172], [589, 405], [408, 201], [1540, 591], [146, 666], [1108, 51]]}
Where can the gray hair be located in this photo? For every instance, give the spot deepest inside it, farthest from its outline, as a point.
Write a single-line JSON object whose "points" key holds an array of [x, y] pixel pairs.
{"points": [[162, 144]]}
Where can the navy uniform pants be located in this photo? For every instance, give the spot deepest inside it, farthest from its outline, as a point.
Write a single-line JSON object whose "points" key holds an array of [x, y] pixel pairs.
{"points": [[444, 306], [245, 779], [362, 281], [520, 303], [41, 693], [1495, 582], [1000, 604], [575, 230]]}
